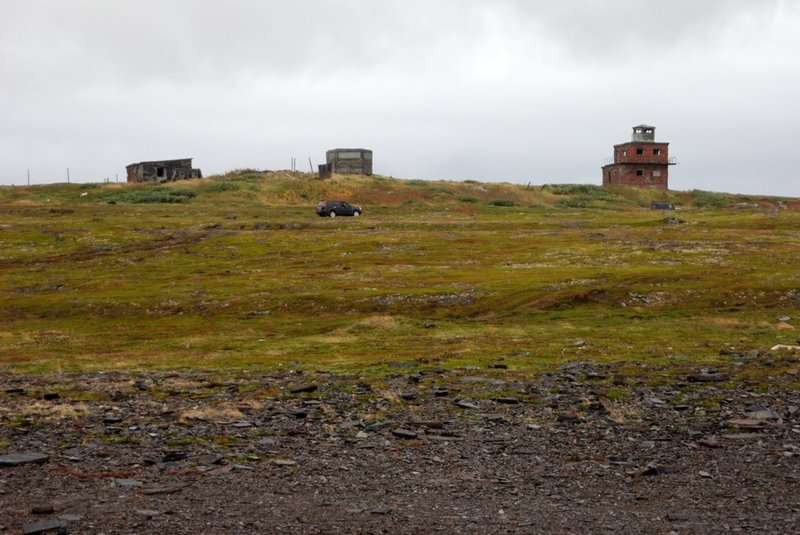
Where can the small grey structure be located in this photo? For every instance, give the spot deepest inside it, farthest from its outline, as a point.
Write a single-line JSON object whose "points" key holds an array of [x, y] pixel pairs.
{"points": [[350, 161], [162, 171]]}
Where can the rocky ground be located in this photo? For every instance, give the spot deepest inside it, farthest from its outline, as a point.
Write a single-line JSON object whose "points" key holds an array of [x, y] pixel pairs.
{"points": [[585, 449]]}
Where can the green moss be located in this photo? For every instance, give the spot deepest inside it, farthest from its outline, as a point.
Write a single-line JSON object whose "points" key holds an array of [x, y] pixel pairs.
{"points": [[708, 199], [501, 202], [119, 439], [183, 441], [150, 195], [617, 394], [218, 186]]}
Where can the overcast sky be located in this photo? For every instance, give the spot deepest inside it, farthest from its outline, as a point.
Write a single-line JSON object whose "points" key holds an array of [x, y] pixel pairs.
{"points": [[505, 90]]}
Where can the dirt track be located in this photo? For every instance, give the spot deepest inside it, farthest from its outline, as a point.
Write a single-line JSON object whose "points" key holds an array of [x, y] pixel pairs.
{"points": [[581, 450]]}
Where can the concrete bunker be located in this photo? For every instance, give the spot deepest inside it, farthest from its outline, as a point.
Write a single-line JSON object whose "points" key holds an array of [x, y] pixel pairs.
{"points": [[162, 171], [350, 161]]}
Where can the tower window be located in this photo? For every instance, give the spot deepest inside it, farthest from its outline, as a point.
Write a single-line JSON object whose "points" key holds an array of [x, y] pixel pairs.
{"points": [[640, 151], [625, 152], [640, 172], [657, 152], [656, 174]]}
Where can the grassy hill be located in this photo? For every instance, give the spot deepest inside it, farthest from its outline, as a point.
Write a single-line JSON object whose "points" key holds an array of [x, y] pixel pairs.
{"points": [[237, 271]]}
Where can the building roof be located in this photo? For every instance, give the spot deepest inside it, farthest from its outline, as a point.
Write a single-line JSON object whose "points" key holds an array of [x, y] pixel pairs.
{"points": [[159, 161]]}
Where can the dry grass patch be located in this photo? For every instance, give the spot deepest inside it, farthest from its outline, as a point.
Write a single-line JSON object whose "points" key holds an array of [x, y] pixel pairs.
{"points": [[621, 412], [725, 323], [223, 413], [337, 338], [250, 404], [181, 385], [391, 395], [48, 411], [377, 322], [780, 326]]}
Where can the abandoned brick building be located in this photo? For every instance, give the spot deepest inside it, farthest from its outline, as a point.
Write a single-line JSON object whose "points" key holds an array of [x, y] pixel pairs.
{"points": [[162, 171], [641, 163], [350, 161]]}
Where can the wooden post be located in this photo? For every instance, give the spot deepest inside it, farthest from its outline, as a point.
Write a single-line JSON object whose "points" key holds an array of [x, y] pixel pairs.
{"points": [[310, 165]]}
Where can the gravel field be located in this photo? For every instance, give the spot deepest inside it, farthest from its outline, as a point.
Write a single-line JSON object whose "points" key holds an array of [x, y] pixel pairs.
{"points": [[584, 449]]}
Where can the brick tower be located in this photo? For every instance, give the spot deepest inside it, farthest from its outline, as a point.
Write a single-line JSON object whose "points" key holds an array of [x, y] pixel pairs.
{"points": [[641, 163]]}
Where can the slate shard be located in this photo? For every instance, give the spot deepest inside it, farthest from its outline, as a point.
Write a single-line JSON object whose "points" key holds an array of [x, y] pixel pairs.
{"points": [[45, 526], [16, 459]]}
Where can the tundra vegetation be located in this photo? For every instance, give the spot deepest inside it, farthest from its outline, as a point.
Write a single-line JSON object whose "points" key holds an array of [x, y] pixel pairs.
{"points": [[236, 272]]}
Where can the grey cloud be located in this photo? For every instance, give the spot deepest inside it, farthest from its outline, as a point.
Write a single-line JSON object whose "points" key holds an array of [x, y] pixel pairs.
{"points": [[507, 90], [613, 31]]}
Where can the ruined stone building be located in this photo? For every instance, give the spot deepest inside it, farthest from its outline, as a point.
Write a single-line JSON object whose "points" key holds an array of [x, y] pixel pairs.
{"points": [[641, 163], [162, 171], [350, 161]]}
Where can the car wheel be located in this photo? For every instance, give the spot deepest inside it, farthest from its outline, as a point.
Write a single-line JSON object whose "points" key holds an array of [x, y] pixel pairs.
{"points": [[332, 214], [356, 213]]}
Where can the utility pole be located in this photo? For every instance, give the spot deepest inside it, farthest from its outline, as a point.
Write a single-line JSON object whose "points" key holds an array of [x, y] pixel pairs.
{"points": [[310, 165], [67, 175], [29, 177]]}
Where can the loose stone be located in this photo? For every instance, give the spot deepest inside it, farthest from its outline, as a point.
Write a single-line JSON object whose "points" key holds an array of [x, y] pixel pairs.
{"points": [[747, 424], [149, 513], [128, 482], [15, 459], [242, 425], [741, 436], [299, 413], [567, 417], [303, 388], [383, 510], [45, 526], [763, 414], [404, 433], [43, 509], [172, 456], [708, 377], [710, 443]]}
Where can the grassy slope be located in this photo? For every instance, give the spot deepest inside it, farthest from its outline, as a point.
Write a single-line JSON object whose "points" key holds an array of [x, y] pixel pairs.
{"points": [[244, 275]]}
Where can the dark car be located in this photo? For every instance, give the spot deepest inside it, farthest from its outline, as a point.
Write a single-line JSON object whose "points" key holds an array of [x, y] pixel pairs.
{"points": [[334, 208]]}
